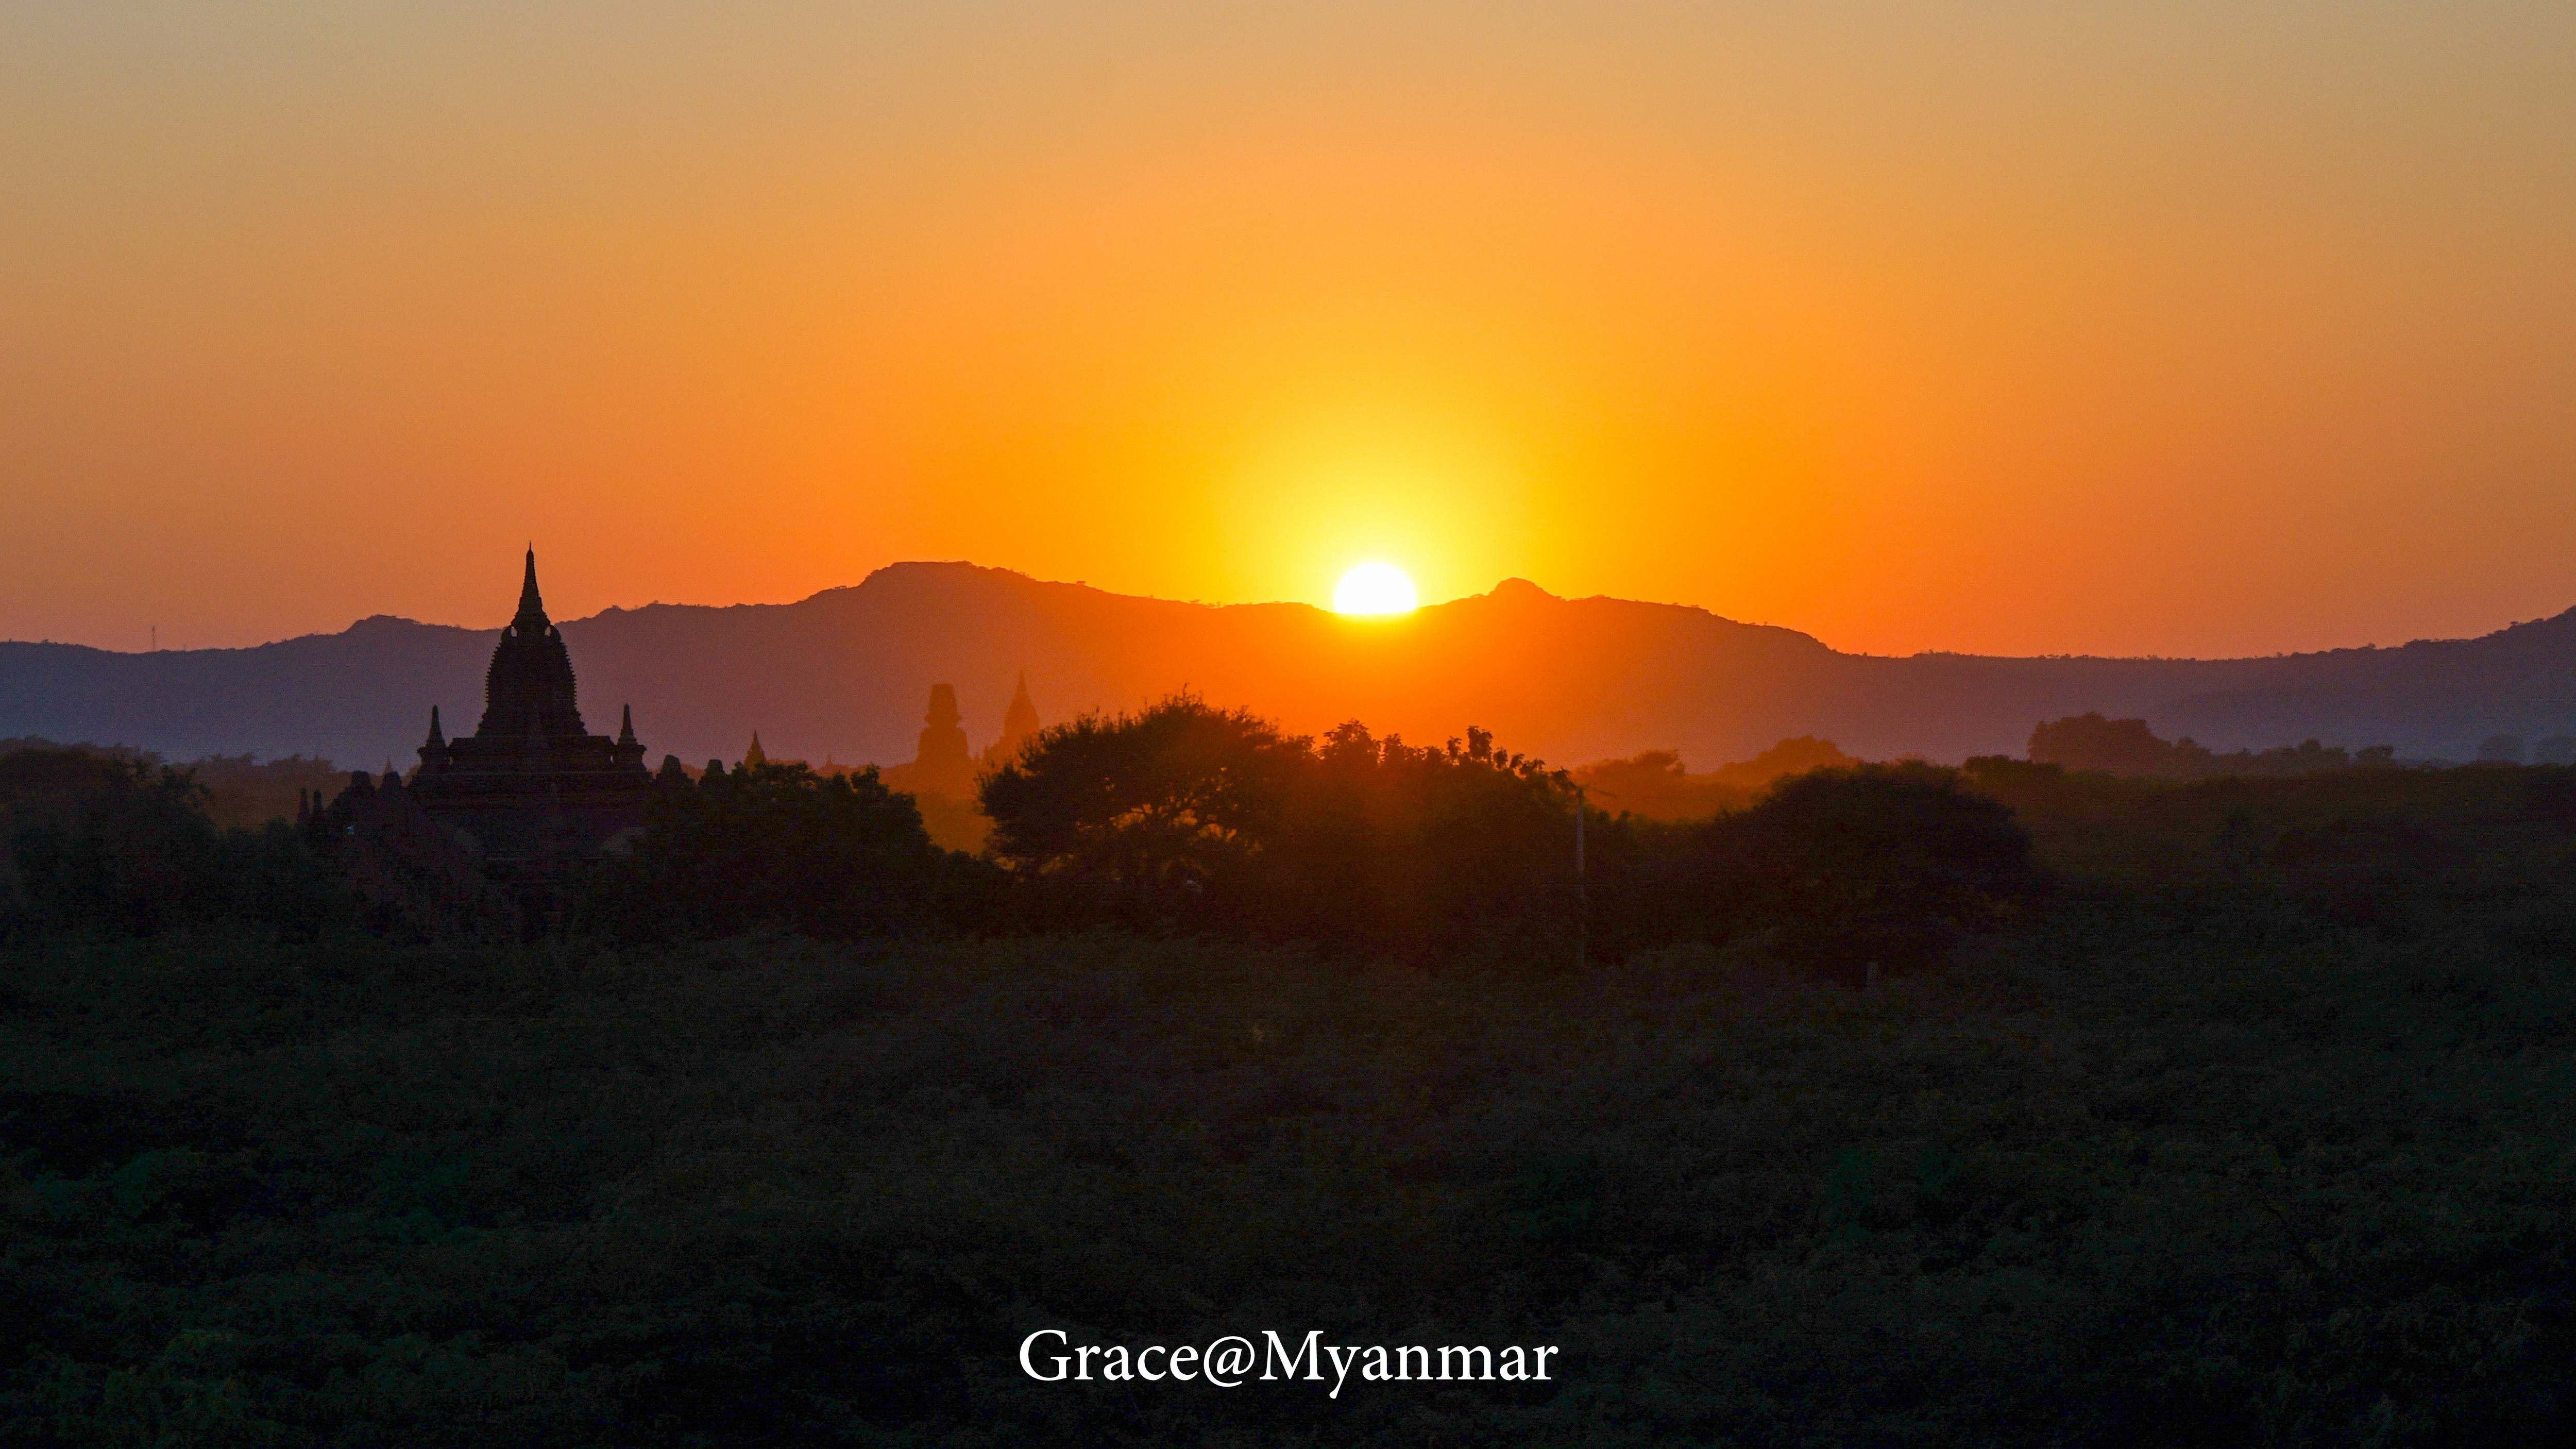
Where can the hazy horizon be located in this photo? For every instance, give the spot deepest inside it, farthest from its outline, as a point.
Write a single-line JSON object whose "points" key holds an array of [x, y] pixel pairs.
{"points": [[499, 616]]}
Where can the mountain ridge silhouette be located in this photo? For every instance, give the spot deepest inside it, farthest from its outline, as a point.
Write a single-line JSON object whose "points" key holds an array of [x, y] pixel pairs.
{"points": [[845, 673]]}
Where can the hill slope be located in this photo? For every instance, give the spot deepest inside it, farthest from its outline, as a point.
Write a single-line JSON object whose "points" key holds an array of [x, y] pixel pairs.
{"points": [[845, 673]]}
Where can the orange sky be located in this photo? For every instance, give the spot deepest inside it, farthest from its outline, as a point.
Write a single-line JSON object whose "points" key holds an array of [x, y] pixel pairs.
{"points": [[2201, 328]]}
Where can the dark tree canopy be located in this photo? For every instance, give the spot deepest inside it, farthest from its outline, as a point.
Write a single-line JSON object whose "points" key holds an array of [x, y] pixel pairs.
{"points": [[2128, 747], [2500, 750], [1188, 813], [102, 841], [1873, 844], [1148, 805], [2114, 746], [1884, 863], [777, 845]]}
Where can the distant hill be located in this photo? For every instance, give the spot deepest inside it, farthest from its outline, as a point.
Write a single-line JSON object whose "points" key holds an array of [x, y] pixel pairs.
{"points": [[845, 675]]}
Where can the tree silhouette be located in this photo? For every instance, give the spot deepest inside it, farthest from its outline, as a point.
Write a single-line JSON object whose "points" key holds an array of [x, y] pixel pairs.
{"points": [[98, 841], [1149, 807], [1187, 813], [776, 845], [1871, 845], [2500, 750], [2091, 742]]}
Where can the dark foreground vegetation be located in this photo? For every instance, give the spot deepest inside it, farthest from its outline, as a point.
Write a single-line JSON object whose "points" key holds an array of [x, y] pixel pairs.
{"points": [[2227, 1111], [238, 789]]}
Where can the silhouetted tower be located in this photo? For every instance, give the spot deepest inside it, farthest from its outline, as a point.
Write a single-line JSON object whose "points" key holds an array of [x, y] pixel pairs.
{"points": [[493, 827], [435, 750], [1019, 725], [754, 754], [943, 763], [528, 690], [531, 791], [943, 744]]}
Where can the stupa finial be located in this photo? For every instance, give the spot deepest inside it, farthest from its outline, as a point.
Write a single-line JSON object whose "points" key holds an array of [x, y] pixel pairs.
{"points": [[532, 605]]}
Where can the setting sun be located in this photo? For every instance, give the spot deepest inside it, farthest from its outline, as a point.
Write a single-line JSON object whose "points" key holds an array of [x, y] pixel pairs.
{"points": [[1374, 588]]}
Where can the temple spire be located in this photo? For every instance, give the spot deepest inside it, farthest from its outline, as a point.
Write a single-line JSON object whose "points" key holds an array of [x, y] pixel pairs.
{"points": [[532, 605], [530, 671], [626, 726], [1019, 724], [436, 735]]}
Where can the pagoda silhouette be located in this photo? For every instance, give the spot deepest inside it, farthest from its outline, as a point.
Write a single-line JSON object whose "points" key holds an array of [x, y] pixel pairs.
{"points": [[1020, 724], [532, 786], [506, 815]]}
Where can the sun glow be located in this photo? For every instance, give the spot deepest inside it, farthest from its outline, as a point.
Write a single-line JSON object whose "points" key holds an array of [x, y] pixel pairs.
{"points": [[1375, 588]]}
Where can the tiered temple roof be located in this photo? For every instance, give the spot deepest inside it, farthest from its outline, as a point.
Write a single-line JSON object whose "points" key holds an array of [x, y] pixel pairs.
{"points": [[531, 792]]}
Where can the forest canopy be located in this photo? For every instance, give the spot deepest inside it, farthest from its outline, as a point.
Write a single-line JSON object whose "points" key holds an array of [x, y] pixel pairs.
{"points": [[1896, 1104]]}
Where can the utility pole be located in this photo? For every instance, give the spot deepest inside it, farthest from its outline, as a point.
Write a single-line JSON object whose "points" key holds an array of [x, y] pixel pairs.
{"points": [[1582, 887]]}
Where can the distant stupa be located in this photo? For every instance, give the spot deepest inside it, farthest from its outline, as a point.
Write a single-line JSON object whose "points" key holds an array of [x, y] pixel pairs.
{"points": [[943, 763], [753, 754], [942, 775], [1019, 726]]}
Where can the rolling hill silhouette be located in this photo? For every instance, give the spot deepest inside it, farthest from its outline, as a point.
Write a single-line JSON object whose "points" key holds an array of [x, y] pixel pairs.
{"points": [[844, 674]]}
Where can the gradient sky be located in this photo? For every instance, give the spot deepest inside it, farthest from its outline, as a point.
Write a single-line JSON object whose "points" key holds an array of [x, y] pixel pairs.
{"points": [[2185, 328]]}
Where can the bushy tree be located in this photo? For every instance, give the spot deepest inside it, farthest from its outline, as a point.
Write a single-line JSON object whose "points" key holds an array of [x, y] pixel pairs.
{"points": [[2126, 747], [1423, 849], [2500, 750], [1873, 843], [1214, 819], [2114, 746], [1150, 809], [1875, 862]]}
